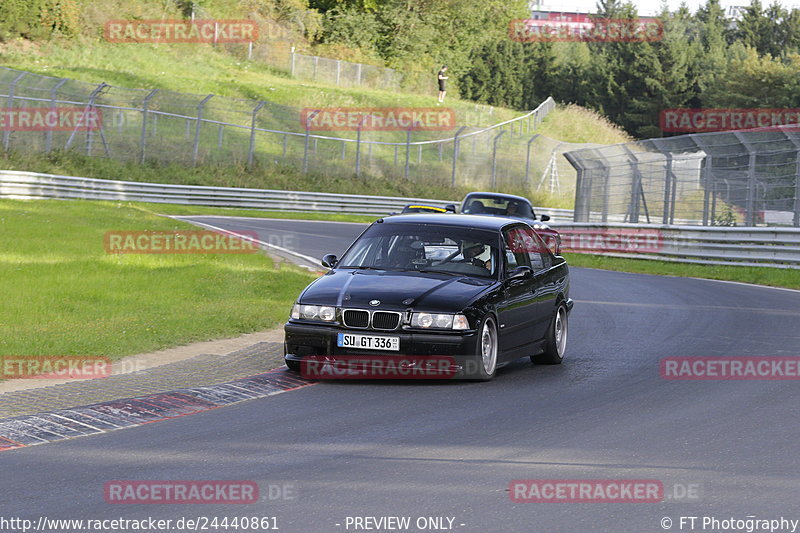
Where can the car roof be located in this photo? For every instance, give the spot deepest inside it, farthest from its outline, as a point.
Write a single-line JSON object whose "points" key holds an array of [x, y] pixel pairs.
{"points": [[498, 195], [464, 221]]}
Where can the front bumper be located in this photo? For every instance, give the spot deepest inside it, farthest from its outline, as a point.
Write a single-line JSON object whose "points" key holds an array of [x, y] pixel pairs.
{"points": [[312, 342]]}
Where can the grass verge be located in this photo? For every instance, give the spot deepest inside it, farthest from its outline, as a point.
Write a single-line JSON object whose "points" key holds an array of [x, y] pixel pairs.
{"points": [[774, 277], [64, 295]]}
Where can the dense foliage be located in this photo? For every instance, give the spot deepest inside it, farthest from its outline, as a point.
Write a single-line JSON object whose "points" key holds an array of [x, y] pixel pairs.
{"points": [[704, 60]]}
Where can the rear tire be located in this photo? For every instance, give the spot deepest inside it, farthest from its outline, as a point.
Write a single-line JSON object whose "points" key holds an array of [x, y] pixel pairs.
{"points": [[556, 340]]}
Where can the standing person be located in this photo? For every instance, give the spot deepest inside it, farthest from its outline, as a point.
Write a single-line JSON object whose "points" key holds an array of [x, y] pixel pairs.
{"points": [[442, 76]]}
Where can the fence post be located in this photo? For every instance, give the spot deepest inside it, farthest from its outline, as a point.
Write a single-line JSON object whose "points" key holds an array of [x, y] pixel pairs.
{"points": [[89, 105], [667, 188], [48, 142], [797, 190], [528, 163], [196, 149], [343, 152], [358, 146], [253, 134], [408, 149], [291, 67], [284, 145], [338, 70], [10, 106], [636, 186], [750, 216], [455, 155], [358, 74], [582, 189], [145, 112], [308, 120], [494, 159], [706, 190]]}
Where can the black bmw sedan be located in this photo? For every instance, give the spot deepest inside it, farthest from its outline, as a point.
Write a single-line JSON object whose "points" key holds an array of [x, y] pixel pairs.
{"points": [[475, 292]]}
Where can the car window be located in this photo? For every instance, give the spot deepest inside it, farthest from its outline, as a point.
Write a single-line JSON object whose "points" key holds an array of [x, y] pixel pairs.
{"points": [[498, 206], [526, 248], [515, 249]]}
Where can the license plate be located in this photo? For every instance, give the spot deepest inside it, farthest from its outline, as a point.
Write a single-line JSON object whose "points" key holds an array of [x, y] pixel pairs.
{"points": [[368, 342]]}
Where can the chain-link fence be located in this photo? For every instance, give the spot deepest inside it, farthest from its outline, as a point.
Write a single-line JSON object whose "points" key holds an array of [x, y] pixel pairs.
{"points": [[343, 73], [169, 127], [321, 69], [728, 178]]}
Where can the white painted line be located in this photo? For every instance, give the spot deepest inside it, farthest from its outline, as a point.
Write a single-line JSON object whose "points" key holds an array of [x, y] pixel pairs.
{"points": [[75, 422], [748, 284], [307, 258]]}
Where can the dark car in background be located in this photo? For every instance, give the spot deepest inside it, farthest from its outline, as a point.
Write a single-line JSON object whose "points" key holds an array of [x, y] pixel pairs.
{"points": [[482, 291], [509, 205]]}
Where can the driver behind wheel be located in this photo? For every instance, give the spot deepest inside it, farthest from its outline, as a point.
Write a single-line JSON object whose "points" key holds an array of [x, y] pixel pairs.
{"points": [[476, 253]]}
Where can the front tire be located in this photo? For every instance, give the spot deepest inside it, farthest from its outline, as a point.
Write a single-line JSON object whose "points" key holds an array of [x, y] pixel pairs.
{"points": [[556, 341], [293, 365], [487, 348]]}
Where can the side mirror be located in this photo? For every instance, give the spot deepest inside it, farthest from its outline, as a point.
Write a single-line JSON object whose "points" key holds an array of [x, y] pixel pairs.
{"points": [[544, 218], [451, 208], [521, 272], [330, 260]]}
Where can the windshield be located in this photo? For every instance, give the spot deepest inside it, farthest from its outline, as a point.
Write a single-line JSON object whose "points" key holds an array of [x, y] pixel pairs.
{"points": [[425, 248], [498, 206]]}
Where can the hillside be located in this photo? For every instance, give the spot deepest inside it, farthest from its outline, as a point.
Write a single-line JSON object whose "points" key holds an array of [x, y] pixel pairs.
{"points": [[204, 69]]}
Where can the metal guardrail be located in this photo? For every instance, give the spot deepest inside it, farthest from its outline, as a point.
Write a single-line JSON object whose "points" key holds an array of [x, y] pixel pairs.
{"points": [[33, 185], [777, 247]]}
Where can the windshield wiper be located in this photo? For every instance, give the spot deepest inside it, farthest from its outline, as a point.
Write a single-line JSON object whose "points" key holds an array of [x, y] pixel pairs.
{"points": [[365, 267], [431, 271]]}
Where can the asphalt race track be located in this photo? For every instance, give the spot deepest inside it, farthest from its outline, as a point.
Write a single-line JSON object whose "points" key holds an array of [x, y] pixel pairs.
{"points": [[451, 449]]}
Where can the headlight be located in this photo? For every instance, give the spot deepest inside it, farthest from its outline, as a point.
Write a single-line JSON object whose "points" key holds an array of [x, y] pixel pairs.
{"points": [[438, 321], [313, 312]]}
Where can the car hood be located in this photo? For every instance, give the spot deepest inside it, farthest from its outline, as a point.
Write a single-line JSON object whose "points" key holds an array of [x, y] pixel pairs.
{"points": [[395, 290]]}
